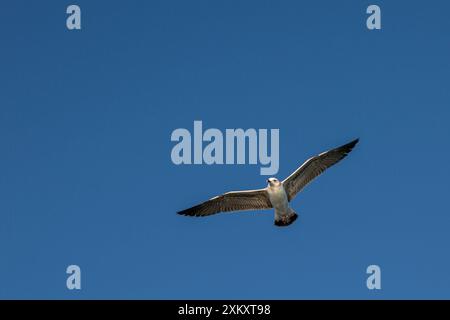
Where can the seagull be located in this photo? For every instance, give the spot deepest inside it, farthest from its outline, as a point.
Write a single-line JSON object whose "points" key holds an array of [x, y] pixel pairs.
{"points": [[277, 194]]}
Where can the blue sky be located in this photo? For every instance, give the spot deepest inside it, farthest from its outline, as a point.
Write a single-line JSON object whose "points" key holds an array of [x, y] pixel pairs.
{"points": [[86, 173]]}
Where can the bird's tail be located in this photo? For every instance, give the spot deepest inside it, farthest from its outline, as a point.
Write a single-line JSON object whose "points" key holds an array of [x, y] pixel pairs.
{"points": [[286, 220]]}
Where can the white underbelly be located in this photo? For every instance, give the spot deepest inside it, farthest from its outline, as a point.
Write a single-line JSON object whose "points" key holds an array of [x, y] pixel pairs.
{"points": [[278, 199]]}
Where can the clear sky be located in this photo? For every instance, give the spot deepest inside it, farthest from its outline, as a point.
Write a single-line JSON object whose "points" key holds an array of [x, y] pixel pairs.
{"points": [[86, 174]]}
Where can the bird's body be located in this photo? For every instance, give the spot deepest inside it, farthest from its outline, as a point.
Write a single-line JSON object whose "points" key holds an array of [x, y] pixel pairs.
{"points": [[278, 198], [284, 215], [277, 194]]}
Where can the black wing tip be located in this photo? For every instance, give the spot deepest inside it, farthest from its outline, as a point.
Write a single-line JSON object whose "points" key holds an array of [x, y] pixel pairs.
{"points": [[187, 213], [349, 146], [191, 212], [354, 142]]}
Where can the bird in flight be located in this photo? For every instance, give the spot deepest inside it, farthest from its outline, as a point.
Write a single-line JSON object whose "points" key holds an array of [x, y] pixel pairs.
{"points": [[277, 194]]}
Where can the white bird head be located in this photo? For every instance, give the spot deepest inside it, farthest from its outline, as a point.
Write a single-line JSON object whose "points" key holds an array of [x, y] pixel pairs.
{"points": [[273, 182]]}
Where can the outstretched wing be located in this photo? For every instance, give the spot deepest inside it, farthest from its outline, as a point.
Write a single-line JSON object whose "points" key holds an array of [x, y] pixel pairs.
{"points": [[231, 201], [313, 167]]}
